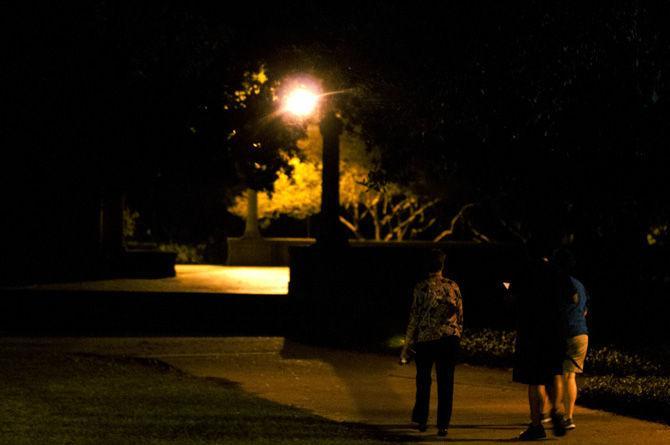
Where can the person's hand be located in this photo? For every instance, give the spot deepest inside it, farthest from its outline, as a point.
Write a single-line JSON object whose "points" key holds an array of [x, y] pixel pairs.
{"points": [[508, 296], [404, 356]]}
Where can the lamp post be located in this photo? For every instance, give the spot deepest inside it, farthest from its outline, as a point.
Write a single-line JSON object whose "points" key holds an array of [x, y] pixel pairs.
{"points": [[302, 102], [317, 283], [331, 235]]}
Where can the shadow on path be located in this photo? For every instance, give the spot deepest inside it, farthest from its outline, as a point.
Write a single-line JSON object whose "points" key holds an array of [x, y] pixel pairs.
{"points": [[362, 380]]}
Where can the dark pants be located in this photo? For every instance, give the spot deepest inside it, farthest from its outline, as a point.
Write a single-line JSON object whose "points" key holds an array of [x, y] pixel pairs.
{"points": [[443, 353]]}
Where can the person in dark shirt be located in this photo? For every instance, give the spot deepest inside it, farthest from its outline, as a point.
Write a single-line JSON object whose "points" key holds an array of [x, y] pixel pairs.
{"points": [[540, 293]]}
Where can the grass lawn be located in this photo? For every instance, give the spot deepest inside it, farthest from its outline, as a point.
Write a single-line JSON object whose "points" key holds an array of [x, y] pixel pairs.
{"points": [[49, 398]]}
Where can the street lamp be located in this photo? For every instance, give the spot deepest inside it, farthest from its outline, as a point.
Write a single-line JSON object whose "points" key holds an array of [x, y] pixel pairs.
{"points": [[302, 101]]}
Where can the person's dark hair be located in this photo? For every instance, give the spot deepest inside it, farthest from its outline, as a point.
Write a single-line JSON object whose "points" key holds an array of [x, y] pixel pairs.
{"points": [[435, 261]]}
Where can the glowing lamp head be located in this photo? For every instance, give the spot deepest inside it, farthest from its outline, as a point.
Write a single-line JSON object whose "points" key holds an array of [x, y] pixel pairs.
{"points": [[301, 102]]}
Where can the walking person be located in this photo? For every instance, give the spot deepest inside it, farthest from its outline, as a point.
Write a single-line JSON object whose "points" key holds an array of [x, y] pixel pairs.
{"points": [[577, 335], [576, 348], [433, 332], [540, 293]]}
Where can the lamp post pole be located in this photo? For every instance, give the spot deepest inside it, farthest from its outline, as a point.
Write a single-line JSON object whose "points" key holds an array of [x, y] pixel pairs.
{"points": [[301, 102], [330, 235]]}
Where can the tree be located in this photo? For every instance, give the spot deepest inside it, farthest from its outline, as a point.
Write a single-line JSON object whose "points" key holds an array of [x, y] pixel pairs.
{"points": [[260, 140], [548, 117], [544, 118], [383, 213]]}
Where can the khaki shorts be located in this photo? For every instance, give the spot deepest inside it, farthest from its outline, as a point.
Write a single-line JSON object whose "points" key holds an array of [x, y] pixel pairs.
{"points": [[576, 352]]}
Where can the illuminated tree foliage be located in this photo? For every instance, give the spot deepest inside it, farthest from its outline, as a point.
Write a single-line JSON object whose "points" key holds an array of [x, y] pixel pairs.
{"points": [[388, 212]]}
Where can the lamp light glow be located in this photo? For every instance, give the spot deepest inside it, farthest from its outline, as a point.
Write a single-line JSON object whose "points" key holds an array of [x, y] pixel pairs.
{"points": [[301, 102]]}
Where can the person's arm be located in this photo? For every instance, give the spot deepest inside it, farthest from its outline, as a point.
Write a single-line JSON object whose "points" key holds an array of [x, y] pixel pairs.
{"points": [[411, 325], [569, 293], [586, 305], [509, 297], [575, 298], [459, 304]]}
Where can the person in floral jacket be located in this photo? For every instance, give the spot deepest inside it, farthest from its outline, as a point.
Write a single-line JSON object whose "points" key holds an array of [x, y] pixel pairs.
{"points": [[433, 333]]}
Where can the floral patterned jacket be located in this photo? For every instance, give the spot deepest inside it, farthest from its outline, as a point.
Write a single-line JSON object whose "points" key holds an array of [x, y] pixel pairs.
{"points": [[437, 310]]}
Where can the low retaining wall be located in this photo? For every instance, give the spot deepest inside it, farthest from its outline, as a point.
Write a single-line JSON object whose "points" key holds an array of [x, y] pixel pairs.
{"points": [[362, 294], [148, 263], [262, 251]]}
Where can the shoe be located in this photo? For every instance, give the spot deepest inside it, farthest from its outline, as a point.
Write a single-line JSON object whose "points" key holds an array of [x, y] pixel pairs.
{"points": [[422, 427], [569, 424], [558, 423], [442, 432], [533, 433], [546, 418]]}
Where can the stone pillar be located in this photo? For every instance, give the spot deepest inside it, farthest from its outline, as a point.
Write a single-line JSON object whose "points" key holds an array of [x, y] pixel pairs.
{"points": [[251, 229], [250, 249]]}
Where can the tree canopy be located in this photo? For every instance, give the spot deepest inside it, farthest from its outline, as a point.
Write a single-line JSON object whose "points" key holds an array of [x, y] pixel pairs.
{"points": [[548, 117], [388, 212]]}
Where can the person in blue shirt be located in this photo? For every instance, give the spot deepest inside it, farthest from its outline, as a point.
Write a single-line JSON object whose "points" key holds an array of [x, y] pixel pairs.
{"points": [[576, 347], [577, 335]]}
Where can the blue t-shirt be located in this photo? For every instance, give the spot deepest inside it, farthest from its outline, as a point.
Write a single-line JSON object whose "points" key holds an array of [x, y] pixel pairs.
{"points": [[575, 312]]}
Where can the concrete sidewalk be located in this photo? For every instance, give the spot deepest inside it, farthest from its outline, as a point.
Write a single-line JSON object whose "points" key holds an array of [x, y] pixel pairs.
{"points": [[199, 300], [365, 388], [190, 279]]}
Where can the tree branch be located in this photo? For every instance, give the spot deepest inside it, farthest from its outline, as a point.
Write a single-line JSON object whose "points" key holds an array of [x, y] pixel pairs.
{"points": [[513, 231], [454, 220], [417, 212], [351, 227]]}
